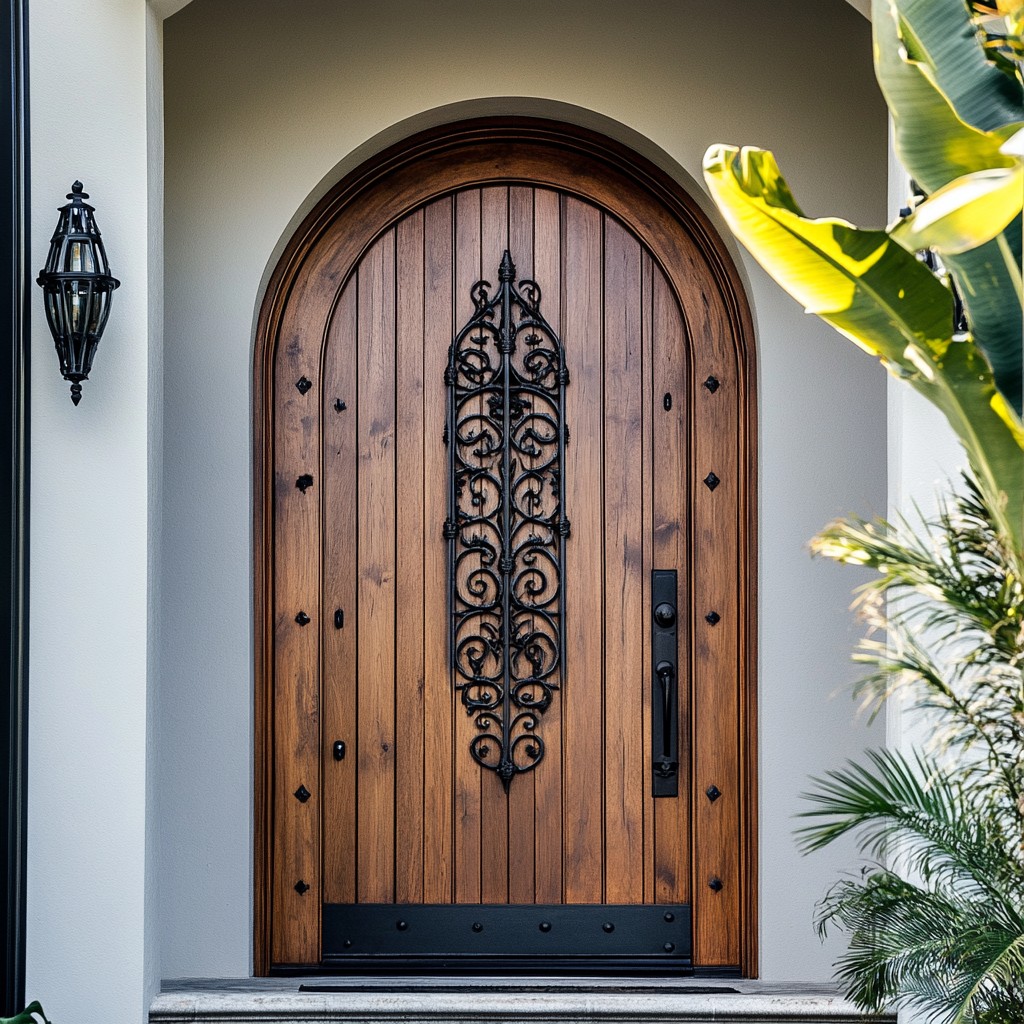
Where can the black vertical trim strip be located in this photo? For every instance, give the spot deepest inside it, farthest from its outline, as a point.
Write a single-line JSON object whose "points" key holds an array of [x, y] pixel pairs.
{"points": [[14, 293]]}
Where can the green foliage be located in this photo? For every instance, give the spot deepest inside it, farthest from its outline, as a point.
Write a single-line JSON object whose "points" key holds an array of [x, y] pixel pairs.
{"points": [[936, 921], [957, 103], [954, 110], [866, 285], [27, 1016], [943, 930]]}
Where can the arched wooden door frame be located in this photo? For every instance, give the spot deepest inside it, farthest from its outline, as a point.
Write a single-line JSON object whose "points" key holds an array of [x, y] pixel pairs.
{"points": [[315, 265]]}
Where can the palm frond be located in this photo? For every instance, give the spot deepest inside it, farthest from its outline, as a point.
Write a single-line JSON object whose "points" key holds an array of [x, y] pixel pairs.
{"points": [[912, 946], [944, 832]]}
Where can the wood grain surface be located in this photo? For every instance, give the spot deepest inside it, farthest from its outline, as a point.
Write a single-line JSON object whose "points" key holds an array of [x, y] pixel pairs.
{"points": [[364, 304]]}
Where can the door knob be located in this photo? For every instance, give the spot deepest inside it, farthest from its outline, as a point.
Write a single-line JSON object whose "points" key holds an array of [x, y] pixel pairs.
{"points": [[665, 615]]}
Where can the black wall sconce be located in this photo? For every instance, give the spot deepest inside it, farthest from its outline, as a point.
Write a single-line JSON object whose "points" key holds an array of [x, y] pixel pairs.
{"points": [[77, 287]]}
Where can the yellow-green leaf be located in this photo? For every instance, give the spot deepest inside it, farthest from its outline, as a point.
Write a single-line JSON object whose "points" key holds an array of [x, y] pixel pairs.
{"points": [[966, 213], [878, 294], [861, 281]]}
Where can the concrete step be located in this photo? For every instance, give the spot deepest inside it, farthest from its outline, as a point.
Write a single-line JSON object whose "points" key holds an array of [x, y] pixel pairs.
{"points": [[502, 1001]]}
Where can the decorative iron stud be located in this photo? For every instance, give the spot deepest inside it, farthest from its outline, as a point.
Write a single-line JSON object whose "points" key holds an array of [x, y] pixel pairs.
{"points": [[712, 618], [303, 384], [304, 482], [302, 794], [339, 619], [715, 884], [712, 793], [712, 384], [301, 887], [667, 401], [338, 750], [711, 481], [339, 405], [302, 619]]}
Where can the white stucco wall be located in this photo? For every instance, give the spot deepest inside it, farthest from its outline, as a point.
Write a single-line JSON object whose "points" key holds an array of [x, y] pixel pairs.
{"points": [[91, 949], [265, 103]]}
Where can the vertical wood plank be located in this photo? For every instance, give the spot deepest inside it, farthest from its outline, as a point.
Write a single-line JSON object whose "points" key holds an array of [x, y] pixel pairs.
{"points": [[376, 582], [522, 824], [409, 632], [494, 804], [438, 699], [467, 823], [547, 792], [308, 674], [623, 569], [581, 701], [296, 916], [648, 411], [338, 646], [671, 551], [716, 581]]}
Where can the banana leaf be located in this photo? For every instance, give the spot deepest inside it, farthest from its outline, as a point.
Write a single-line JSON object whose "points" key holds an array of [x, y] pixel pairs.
{"points": [[989, 281], [940, 36], [880, 296], [968, 212], [937, 145]]}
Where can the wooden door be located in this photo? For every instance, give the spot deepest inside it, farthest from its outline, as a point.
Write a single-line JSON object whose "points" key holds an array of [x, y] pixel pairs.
{"points": [[392, 836]]}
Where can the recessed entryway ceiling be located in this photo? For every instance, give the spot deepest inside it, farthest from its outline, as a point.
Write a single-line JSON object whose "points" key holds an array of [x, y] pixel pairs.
{"points": [[165, 8]]}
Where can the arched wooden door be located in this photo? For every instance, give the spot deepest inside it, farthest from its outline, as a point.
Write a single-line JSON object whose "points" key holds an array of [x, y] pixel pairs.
{"points": [[504, 591]]}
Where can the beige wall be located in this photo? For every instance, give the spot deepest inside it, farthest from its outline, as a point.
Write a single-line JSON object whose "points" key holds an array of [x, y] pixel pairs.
{"points": [[266, 104]]}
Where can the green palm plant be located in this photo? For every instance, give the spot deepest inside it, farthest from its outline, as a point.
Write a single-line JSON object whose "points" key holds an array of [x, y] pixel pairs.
{"points": [[936, 920], [943, 929]]}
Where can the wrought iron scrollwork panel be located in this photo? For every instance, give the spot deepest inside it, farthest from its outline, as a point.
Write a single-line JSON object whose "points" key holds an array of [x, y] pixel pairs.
{"points": [[506, 525]]}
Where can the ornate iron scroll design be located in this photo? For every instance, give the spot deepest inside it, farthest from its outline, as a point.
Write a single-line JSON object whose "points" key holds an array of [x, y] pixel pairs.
{"points": [[506, 525]]}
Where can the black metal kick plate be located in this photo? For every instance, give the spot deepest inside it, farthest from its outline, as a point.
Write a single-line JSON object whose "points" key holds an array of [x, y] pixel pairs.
{"points": [[385, 934]]}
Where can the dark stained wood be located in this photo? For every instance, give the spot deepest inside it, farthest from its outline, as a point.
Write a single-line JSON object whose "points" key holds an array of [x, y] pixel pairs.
{"points": [[338, 646], [648, 413], [468, 782], [375, 621], [296, 925], [583, 827], [439, 702], [582, 698], [546, 794], [625, 590], [411, 535], [715, 552], [670, 465]]}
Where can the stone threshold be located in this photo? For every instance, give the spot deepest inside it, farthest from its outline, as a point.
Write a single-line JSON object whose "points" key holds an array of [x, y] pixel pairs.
{"points": [[450, 1000]]}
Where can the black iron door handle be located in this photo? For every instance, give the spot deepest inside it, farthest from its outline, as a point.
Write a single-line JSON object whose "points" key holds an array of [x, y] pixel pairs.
{"points": [[667, 678], [664, 684]]}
